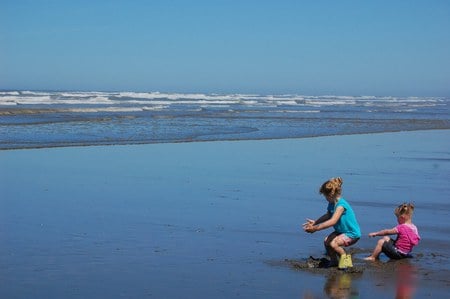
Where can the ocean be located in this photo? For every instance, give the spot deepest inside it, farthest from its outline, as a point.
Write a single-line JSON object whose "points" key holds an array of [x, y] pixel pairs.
{"points": [[36, 119]]}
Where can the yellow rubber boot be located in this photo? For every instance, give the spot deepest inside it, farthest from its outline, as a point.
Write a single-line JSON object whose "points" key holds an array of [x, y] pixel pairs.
{"points": [[345, 261], [342, 262], [349, 262]]}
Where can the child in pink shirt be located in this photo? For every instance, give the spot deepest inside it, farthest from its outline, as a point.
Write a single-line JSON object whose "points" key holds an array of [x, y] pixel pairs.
{"points": [[407, 236]]}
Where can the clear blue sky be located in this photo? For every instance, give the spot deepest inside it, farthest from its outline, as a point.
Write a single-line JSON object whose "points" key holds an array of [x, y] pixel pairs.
{"points": [[383, 47]]}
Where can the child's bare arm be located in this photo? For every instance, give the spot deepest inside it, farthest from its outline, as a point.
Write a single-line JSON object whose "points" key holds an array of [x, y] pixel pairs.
{"points": [[325, 221], [310, 224], [323, 218], [384, 232]]}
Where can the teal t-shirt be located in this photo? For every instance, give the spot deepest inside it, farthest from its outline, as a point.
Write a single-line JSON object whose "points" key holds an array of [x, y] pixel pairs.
{"points": [[347, 224]]}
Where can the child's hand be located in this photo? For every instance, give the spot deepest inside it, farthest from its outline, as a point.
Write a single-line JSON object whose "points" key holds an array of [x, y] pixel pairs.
{"points": [[372, 235], [308, 222], [308, 226]]}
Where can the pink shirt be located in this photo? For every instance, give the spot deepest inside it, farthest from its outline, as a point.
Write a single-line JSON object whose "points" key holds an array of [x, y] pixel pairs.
{"points": [[408, 237]]}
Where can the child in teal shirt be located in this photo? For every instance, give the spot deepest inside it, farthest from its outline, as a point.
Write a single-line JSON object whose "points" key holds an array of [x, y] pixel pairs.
{"points": [[341, 217]]}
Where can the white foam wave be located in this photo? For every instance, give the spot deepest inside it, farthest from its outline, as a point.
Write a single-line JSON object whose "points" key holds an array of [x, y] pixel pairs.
{"points": [[51, 99], [295, 111], [154, 108], [9, 93], [85, 94], [286, 102], [176, 96], [26, 100], [97, 100], [330, 102], [404, 110], [150, 100], [34, 93], [104, 109]]}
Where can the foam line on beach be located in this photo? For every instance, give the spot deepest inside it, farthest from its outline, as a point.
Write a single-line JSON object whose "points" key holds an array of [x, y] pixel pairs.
{"points": [[103, 98]]}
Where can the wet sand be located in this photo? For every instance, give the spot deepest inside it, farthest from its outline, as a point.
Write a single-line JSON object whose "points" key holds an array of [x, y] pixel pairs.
{"points": [[218, 219]]}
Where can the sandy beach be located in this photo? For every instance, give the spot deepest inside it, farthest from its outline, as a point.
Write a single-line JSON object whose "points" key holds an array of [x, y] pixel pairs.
{"points": [[218, 219]]}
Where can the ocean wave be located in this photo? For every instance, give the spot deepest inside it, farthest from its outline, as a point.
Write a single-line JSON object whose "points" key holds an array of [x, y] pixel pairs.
{"points": [[150, 99], [41, 119], [294, 111]]}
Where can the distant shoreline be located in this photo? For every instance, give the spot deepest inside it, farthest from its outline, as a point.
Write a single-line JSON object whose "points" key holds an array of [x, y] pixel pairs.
{"points": [[72, 145]]}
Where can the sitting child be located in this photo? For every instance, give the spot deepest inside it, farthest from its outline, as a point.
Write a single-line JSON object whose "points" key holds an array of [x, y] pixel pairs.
{"points": [[407, 236]]}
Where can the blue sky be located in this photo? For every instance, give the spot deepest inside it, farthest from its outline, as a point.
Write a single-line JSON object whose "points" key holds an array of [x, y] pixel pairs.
{"points": [[318, 47]]}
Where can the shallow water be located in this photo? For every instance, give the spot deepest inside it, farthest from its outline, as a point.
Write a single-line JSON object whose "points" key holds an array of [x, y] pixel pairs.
{"points": [[202, 220], [53, 119]]}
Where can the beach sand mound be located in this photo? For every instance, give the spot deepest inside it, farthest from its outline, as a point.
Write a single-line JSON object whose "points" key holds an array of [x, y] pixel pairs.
{"points": [[314, 265]]}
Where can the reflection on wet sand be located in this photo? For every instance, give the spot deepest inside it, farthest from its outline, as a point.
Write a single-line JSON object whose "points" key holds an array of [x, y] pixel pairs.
{"points": [[406, 276], [338, 286], [400, 277]]}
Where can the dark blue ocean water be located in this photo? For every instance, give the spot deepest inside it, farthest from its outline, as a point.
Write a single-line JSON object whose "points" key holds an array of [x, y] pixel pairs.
{"points": [[31, 119]]}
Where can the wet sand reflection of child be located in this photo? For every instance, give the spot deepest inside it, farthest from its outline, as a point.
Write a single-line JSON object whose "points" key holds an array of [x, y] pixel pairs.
{"points": [[406, 281], [337, 286]]}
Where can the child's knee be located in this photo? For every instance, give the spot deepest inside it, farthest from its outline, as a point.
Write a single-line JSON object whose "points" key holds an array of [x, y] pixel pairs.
{"points": [[335, 243], [383, 240], [330, 238]]}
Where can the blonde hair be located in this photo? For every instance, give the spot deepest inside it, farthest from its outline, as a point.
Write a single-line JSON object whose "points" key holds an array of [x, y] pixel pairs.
{"points": [[404, 209], [332, 187]]}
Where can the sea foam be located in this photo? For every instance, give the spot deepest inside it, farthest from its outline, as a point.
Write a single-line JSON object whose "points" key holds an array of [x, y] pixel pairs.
{"points": [[46, 118]]}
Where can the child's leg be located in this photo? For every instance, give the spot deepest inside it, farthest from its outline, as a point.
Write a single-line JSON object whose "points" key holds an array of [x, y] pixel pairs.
{"points": [[338, 244], [378, 249], [391, 251], [329, 248], [341, 241]]}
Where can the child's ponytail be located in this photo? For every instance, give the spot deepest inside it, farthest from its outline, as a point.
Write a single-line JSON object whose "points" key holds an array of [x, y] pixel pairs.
{"points": [[332, 187], [404, 209]]}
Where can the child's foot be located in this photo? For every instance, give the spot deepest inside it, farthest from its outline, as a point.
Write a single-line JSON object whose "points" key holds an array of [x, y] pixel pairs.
{"points": [[370, 258]]}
